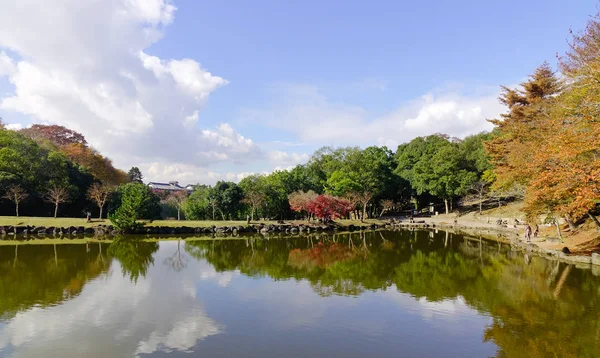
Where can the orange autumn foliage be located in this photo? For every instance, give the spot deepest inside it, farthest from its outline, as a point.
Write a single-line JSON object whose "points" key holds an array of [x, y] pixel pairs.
{"points": [[75, 147], [100, 166], [549, 141]]}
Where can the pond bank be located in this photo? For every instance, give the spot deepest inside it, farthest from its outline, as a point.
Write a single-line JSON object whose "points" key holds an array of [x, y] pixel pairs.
{"points": [[544, 247], [501, 233], [41, 232]]}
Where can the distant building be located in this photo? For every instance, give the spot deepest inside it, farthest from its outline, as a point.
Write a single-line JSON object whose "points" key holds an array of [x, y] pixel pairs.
{"points": [[170, 186]]}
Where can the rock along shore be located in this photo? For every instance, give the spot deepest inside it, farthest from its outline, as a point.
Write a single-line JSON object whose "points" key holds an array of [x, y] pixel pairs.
{"points": [[27, 232], [108, 231]]}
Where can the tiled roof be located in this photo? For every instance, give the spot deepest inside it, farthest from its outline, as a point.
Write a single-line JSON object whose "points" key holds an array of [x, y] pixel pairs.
{"points": [[167, 186]]}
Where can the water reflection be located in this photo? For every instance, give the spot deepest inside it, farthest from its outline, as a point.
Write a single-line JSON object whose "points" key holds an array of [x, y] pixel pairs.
{"points": [[134, 255], [379, 293], [111, 316]]}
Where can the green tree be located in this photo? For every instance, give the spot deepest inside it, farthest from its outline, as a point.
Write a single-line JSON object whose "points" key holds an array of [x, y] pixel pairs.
{"points": [[226, 197], [137, 201], [363, 174], [135, 175], [254, 188], [197, 206], [134, 255], [437, 166]]}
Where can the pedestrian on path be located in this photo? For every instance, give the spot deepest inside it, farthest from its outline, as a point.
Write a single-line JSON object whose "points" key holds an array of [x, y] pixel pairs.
{"points": [[528, 233]]}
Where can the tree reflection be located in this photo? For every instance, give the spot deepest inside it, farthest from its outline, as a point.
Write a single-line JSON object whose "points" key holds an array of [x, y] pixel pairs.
{"points": [[134, 255], [177, 261], [44, 274], [538, 306]]}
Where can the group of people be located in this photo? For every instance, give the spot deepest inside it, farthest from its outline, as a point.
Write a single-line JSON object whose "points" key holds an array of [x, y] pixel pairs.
{"points": [[529, 231]]}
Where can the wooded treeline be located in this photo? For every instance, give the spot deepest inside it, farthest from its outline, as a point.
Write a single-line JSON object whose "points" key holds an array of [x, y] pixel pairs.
{"points": [[44, 167], [374, 180]]}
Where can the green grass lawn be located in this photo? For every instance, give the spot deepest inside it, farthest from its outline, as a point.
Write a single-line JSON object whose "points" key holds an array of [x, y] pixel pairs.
{"points": [[65, 222]]}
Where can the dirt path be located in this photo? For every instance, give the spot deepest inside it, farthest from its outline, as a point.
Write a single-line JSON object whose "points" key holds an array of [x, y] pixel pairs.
{"points": [[584, 240]]}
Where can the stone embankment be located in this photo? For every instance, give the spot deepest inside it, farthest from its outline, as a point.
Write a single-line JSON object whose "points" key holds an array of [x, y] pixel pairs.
{"points": [[508, 234], [564, 255], [10, 232]]}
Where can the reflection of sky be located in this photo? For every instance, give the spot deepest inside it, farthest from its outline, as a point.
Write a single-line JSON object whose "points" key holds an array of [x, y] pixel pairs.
{"points": [[227, 314], [114, 317]]}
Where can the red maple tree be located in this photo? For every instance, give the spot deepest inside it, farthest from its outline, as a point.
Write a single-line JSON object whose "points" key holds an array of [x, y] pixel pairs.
{"points": [[329, 207]]}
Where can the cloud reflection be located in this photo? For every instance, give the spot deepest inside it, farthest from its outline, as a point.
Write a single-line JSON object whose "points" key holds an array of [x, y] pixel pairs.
{"points": [[114, 317]]}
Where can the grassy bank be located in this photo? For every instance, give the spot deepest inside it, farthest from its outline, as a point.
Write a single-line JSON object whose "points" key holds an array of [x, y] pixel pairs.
{"points": [[66, 222]]}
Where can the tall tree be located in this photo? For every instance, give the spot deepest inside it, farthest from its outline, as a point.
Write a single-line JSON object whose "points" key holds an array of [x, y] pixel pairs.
{"points": [[99, 193], [365, 172], [436, 165], [16, 194], [197, 205], [567, 164], [135, 175], [254, 188], [57, 194], [136, 201], [177, 200], [226, 197], [521, 130]]}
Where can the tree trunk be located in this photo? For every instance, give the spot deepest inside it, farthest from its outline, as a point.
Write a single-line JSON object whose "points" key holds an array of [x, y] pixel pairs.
{"points": [[451, 205], [570, 222], [17, 209], [213, 207], [100, 212], [595, 220], [252, 214], [558, 229], [561, 281], [364, 212], [178, 214], [55, 209], [16, 255], [480, 203], [446, 204]]}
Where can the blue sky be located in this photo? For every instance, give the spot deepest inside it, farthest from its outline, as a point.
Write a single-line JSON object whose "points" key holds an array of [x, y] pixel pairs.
{"points": [[287, 77]]}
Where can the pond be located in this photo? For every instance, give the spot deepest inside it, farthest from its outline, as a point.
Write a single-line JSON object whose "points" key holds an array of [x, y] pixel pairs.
{"points": [[377, 294]]}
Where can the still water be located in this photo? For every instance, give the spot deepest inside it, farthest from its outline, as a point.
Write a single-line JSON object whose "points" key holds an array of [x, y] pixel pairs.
{"points": [[379, 294]]}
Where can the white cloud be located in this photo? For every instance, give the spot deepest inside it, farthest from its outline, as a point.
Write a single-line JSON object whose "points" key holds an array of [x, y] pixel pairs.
{"points": [[191, 120], [14, 126], [187, 173], [285, 159], [232, 143], [310, 115], [91, 72], [7, 65], [153, 11]]}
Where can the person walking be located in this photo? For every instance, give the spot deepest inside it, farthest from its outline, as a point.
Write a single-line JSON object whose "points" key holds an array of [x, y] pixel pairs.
{"points": [[528, 233], [537, 231]]}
